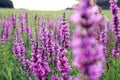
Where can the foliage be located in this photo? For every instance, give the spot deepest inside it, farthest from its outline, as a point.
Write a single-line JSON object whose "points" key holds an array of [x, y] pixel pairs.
{"points": [[6, 4]]}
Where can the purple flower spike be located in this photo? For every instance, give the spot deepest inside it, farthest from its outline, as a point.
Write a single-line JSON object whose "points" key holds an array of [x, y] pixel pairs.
{"points": [[6, 31], [27, 65], [103, 37], [26, 18], [116, 28], [85, 14], [116, 51], [21, 22], [18, 46], [29, 31], [64, 33], [39, 66], [54, 77], [14, 20], [86, 55], [63, 65]]}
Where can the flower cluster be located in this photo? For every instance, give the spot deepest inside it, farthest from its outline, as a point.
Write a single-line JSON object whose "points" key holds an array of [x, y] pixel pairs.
{"points": [[116, 51], [18, 46], [21, 20], [39, 65], [103, 37], [14, 20], [48, 42], [63, 65], [85, 14], [116, 22], [87, 56], [6, 31], [64, 33]]}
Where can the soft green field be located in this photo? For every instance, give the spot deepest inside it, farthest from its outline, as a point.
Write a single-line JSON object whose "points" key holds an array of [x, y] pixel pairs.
{"points": [[5, 12], [11, 70]]}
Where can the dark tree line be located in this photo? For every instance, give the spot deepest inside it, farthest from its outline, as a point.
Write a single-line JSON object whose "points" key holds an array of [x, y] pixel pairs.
{"points": [[105, 3], [6, 4]]}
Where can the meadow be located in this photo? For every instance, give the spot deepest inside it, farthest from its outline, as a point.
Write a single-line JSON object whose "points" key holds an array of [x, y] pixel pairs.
{"points": [[11, 69], [5, 12]]}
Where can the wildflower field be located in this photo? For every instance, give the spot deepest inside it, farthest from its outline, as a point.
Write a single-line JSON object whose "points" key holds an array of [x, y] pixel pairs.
{"points": [[78, 44]]}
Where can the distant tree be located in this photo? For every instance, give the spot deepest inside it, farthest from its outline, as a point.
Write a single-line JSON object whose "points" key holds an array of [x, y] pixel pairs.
{"points": [[6, 4], [105, 3]]}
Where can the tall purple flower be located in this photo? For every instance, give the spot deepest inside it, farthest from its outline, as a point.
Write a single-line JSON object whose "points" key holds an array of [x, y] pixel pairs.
{"points": [[18, 46], [14, 20], [21, 19], [116, 22], [64, 33], [85, 14], [6, 31], [29, 32], [115, 9], [42, 38], [64, 38], [49, 43], [116, 51], [55, 61], [26, 18], [40, 66], [87, 56], [63, 65], [103, 36], [28, 28], [27, 65], [19, 52]]}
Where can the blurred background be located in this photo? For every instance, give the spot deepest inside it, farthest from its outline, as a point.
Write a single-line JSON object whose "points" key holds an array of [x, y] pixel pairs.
{"points": [[46, 4]]}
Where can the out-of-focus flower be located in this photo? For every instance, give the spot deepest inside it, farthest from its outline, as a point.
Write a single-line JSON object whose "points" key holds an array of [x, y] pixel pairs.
{"points": [[85, 14], [87, 54]]}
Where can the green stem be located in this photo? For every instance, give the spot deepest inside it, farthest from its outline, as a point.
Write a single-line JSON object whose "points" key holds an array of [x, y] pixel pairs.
{"points": [[116, 70], [20, 70]]}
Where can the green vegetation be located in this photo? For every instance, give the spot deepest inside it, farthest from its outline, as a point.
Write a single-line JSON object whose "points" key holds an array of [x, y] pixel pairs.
{"points": [[10, 69], [51, 14]]}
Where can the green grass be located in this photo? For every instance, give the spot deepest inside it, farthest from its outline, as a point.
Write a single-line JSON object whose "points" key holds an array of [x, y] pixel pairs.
{"points": [[50, 14], [10, 69], [5, 12]]}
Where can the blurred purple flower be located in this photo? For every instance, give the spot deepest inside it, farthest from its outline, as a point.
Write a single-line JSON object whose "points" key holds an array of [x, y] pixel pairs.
{"points": [[85, 14], [87, 54]]}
